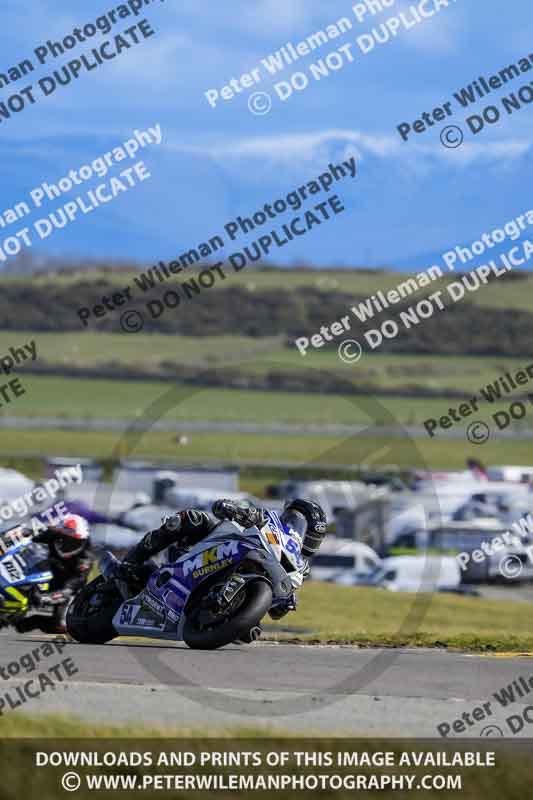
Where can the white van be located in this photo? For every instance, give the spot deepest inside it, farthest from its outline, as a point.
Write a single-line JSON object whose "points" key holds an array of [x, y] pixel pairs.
{"points": [[420, 573], [409, 574], [338, 557]]}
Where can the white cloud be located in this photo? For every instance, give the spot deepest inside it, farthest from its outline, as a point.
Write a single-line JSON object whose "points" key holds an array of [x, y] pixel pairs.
{"points": [[319, 147]]}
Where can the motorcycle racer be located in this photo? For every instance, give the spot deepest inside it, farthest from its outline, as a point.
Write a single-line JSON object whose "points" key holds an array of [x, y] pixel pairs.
{"points": [[302, 521], [70, 561]]}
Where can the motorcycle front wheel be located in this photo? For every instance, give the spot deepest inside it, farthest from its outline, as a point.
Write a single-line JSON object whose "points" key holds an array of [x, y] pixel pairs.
{"points": [[90, 615], [205, 631]]}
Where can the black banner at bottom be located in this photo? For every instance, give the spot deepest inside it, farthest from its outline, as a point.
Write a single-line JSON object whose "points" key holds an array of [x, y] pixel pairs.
{"points": [[281, 767]]}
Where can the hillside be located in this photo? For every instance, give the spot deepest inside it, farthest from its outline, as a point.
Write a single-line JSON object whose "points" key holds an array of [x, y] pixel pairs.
{"points": [[274, 303]]}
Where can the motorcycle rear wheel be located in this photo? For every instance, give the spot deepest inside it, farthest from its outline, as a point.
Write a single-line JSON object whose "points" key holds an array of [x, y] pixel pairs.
{"points": [[89, 622], [250, 612]]}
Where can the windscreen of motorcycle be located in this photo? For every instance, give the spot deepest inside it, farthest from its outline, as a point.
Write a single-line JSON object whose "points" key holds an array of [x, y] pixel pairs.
{"points": [[283, 539]]}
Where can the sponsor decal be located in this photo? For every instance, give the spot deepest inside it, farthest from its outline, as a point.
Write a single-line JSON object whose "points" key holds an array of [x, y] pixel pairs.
{"points": [[154, 604], [149, 622], [210, 558], [199, 573], [272, 538], [126, 615], [11, 571]]}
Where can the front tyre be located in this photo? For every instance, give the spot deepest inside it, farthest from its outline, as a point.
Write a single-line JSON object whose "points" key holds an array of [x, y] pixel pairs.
{"points": [[204, 631], [90, 615]]}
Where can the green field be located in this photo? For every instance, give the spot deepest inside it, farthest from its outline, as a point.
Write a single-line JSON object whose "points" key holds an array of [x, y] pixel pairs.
{"points": [[141, 402], [312, 451], [153, 353], [157, 356], [100, 398], [134, 400]]}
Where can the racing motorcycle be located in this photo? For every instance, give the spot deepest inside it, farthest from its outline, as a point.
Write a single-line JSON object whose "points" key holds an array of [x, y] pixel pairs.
{"points": [[23, 570], [214, 594]]}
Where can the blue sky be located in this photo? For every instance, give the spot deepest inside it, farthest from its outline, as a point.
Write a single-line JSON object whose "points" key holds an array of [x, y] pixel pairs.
{"points": [[410, 201]]}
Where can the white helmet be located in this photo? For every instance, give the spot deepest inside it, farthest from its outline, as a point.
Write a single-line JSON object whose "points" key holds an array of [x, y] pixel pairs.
{"points": [[72, 535]]}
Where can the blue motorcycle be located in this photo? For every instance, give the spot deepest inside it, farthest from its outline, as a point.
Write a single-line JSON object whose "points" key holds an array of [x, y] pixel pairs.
{"points": [[214, 594], [23, 570]]}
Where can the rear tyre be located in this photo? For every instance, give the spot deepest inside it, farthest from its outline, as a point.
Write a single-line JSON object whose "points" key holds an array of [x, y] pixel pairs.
{"points": [[90, 615], [253, 602]]}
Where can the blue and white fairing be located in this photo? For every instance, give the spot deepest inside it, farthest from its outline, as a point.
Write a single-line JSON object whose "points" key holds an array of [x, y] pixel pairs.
{"points": [[288, 546], [21, 567], [159, 610]]}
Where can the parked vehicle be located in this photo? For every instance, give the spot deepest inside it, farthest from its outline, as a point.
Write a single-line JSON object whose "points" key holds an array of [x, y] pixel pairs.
{"points": [[409, 574]]}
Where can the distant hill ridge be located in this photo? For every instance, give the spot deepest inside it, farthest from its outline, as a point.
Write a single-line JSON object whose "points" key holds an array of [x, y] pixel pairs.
{"points": [[465, 329]]}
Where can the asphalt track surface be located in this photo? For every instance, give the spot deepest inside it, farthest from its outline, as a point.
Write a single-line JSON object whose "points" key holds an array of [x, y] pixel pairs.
{"points": [[280, 687]]}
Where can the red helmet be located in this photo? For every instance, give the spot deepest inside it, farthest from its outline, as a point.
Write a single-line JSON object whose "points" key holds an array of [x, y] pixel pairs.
{"points": [[72, 535]]}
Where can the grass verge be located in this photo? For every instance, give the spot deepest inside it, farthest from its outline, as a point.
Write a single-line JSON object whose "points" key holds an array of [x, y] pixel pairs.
{"points": [[375, 617], [16, 726]]}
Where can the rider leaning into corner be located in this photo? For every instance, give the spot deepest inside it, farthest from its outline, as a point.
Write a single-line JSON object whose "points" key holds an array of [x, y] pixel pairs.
{"points": [[303, 521], [69, 560]]}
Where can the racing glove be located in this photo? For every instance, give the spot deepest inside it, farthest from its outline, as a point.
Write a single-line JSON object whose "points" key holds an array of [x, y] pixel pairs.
{"points": [[242, 513], [172, 523], [129, 572]]}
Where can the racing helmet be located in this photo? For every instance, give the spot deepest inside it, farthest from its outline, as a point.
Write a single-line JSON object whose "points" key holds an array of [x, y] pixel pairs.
{"points": [[308, 519], [72, 535]]}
